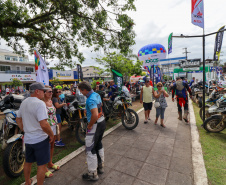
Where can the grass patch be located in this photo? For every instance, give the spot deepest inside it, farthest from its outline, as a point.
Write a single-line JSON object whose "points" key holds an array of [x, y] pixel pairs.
{"points": [[214, 152]]}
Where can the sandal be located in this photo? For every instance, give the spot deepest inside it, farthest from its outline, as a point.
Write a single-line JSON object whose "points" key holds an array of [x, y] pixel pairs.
{"points": [[31, 181], [55, 167], [48, 174], [163, 126]]}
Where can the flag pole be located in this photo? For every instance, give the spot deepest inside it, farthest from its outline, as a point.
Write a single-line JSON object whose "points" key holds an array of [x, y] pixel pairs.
{"points": [[203, 104]]}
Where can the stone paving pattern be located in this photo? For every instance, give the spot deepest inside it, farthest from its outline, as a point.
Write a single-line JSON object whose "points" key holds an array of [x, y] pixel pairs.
{"points": [[147, 155]]}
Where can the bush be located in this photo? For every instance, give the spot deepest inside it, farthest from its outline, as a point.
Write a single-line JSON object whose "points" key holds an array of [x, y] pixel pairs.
{"points": [[94, 83]]}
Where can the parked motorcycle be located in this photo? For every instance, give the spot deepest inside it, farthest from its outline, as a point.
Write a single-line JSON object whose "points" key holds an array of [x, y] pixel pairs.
{"points": [[11, 138], [76, 116], [216, 123], [119, 108], [213, 97]]}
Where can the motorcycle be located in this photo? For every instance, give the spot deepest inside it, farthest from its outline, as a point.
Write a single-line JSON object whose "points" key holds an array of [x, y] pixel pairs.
{"points": [[213, 97], [216, 123], [76, 116], [119, 108], [11, 138]]}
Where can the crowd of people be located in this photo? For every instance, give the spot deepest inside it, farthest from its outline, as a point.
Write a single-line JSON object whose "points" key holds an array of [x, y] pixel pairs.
{"points": [[40, 117]]}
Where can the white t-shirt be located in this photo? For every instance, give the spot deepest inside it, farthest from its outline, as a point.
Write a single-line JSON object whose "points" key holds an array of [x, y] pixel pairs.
{"points": [[32, 110], [7, 90]]}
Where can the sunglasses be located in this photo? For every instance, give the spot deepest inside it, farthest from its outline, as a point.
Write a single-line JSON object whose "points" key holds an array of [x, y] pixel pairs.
{"points": [[58, 92], [49, 91]]}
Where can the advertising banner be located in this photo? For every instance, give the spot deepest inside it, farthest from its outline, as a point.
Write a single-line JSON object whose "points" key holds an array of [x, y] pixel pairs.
{"points": [[63, 75], [218, 44], [118, 79], [197, 13], [79, 71], [41, 70], [22, 77], [170, 40]]}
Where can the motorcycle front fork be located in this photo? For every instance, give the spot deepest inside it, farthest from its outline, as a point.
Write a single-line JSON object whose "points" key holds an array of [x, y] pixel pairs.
{"points": [[82, 119]]}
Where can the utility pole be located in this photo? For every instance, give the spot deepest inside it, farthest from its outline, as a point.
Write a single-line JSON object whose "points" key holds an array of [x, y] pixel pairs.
{"points": [[186, 53]]}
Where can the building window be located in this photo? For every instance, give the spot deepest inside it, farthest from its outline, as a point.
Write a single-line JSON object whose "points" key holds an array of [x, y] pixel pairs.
{"points": [[21, 59], [29, 69], [4, 68], [7, 57], [14, 58]]}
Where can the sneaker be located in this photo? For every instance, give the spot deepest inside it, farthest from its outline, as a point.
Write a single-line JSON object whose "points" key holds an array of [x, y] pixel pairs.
{"points": [[56, 140], [90, 176], [59, 143], [64, 123]]}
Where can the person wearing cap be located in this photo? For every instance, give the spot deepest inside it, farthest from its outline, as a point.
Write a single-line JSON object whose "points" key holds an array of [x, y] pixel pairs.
{"points": [[181, 88], [146, 94], [32, 119]]}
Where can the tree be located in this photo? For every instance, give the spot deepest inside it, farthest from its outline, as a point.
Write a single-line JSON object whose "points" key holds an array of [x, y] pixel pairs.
{"points": [[16, 83], [56, 81], [121, 63], [58, 28], [94, 82]]}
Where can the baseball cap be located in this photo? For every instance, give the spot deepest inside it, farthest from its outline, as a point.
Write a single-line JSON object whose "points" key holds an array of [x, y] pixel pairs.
{"points": [[38, 85]]}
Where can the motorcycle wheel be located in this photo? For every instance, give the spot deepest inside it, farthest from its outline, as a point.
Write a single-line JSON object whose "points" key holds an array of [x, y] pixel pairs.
{"points": [[13, 159], [212, 125], [80, 133], [207, 115], [132, 122], [107, 118]]}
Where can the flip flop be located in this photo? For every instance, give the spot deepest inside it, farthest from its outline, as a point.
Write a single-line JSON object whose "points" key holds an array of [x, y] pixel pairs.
{"points": [[48, 174], [55, 167], [163, 126]]}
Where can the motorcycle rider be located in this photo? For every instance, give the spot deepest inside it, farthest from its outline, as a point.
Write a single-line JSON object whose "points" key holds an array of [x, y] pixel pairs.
{"points": [[95, 131], [181, 89]]}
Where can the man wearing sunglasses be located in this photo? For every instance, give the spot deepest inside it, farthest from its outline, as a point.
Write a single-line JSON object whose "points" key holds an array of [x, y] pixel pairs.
{"points": [[32, 119]]}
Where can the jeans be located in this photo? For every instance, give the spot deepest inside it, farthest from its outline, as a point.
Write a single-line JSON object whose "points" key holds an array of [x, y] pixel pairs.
{"points": [[160, 112]]}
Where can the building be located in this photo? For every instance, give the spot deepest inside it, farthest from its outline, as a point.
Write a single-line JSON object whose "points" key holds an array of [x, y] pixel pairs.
{"points": [[15, 66], [90, 73]]}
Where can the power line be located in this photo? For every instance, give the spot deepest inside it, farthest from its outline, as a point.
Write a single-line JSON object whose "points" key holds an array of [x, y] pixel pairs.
{"points": [[186, 53]]}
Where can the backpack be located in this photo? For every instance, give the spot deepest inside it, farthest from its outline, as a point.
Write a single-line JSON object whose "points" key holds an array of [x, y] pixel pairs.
{"points": [[179, 85]]}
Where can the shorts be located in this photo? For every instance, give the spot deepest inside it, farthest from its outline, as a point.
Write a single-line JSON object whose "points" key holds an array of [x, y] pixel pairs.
{"points": [[58, 118], [54, 129], [39, 152], [147, 106]]}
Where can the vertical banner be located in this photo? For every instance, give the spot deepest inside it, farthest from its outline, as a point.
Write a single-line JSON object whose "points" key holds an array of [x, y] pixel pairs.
{"points": [[41, 70], [170, 40], [79, 71], [159, 74], [218, 44], [118, 79], [197, 13]]}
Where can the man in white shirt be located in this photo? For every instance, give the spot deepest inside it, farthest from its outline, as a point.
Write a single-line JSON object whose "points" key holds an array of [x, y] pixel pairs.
{"points": [[32, 119]]}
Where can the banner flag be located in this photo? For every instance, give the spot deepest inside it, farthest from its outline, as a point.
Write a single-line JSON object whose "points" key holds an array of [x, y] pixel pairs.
{"points": [[118, 79], [41, 70], [80, 73], [197, 13], [218, 44], [170, 40]]}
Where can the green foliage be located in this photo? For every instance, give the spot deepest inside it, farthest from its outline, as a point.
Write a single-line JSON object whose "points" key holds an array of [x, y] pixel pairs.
{"points": [[59, 28], [6, 83], [121, 63], [93, 84], [214, 151], [56, 81], [167, 77], [16, 83]]}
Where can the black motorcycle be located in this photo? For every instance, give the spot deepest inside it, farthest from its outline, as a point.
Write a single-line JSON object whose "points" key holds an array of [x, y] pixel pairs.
{"points": [[76, 117]]}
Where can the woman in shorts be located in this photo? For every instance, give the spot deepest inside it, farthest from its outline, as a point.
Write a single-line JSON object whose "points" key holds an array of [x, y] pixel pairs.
{"points": [[52, 120]]}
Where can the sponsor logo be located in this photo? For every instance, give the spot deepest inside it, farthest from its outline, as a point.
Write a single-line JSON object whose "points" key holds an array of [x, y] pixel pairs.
{"points": [[63, 75], [156, 60]]}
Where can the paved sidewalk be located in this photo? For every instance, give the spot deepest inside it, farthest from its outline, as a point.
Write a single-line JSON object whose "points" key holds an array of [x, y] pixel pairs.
{"points": [[146, 155]]}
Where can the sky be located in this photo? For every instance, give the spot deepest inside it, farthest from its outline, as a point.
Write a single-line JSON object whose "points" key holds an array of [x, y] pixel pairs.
{"points": [[155, 20]]}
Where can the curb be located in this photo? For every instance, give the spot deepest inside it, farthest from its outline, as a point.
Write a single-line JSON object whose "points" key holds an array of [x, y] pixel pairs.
{"points": [[79, 150], [199, 170]]}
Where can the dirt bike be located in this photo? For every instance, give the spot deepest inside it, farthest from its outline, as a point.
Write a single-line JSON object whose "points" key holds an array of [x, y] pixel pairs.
{"points": [[213, 97], [11, 138], [216, 123], [76, 117], [120, 108]]}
